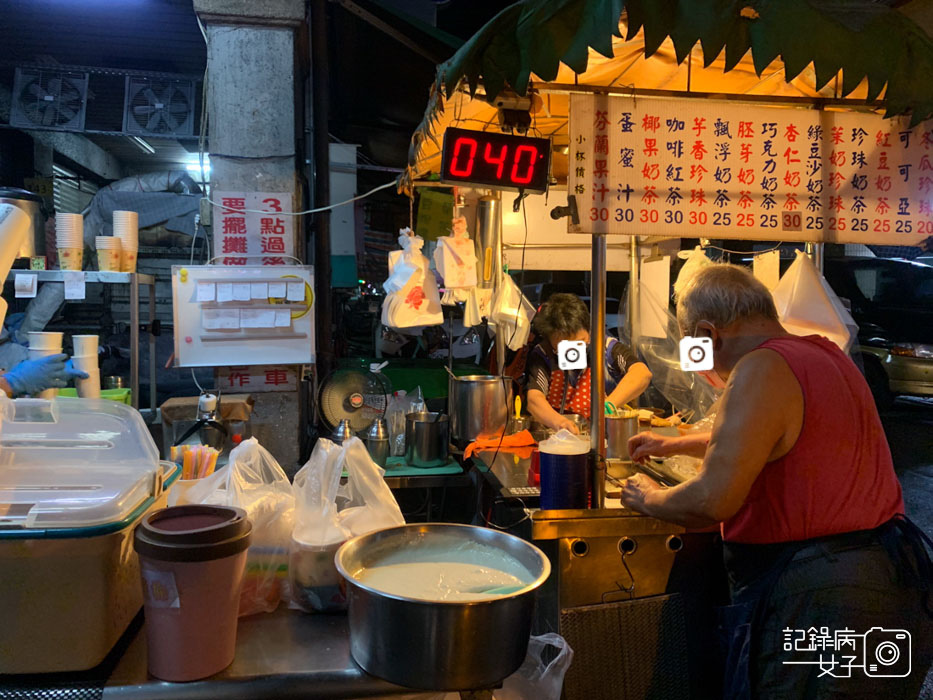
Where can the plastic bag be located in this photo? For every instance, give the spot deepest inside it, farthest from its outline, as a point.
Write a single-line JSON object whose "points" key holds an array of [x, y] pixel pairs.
{"points": [[696, 261], [368, 503], [477, 306], [807, 305], [401, 404], [314, 581], [412, 298], [254, 481], [534, 679], [511, 313], [455, 257]]}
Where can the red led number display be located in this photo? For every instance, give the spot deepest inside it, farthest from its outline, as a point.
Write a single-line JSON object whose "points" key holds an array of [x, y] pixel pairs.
{"points": [[500, 161]]}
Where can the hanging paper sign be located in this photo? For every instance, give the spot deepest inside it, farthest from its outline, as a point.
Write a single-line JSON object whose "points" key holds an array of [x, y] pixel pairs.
{"points": [[702, 168], [252, 228]]}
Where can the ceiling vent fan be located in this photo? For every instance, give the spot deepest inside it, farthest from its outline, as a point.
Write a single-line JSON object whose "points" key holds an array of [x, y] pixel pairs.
{"points": [[49, 99], [155, 107]]}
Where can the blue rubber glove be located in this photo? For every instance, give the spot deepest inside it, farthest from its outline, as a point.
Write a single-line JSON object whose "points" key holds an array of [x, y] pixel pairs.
{"points": [[35, 376]]}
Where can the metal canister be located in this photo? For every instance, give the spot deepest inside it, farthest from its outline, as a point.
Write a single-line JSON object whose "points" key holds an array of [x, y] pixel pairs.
{"points": [[377, 442], [342, 432], [479, 407], [426, 439], [619, 429]]}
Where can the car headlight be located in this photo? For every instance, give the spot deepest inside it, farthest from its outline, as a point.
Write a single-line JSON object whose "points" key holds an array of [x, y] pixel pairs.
{"points": [[913, 350]]}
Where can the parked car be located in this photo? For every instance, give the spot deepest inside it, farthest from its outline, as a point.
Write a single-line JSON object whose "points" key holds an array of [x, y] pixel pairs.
{"points": [[892, 302]]}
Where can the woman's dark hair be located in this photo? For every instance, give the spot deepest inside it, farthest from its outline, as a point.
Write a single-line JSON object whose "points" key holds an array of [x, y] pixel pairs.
{"points": [[562, 314]]}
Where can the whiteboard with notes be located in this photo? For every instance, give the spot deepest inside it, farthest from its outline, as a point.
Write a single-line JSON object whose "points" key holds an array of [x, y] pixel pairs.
{"points": [[243, 315]]}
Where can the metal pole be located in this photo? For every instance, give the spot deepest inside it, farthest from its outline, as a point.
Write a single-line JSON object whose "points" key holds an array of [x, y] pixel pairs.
{"points": [[134, 338], [815, 253], [321, 107], [598, 368], [152, 349], [489, 254], [633, 290]]}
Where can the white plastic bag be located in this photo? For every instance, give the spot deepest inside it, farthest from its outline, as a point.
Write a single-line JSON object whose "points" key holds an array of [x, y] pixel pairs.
{"points": [[368, 502], [477, 307], [254, 481], [455, 257], [314, 581], [535, 680], [412, 298], [696, 261], [511, 314], [807, 305]]}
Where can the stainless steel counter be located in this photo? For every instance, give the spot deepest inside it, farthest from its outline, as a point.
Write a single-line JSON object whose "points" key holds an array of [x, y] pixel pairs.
{"points": [[282, 655]]}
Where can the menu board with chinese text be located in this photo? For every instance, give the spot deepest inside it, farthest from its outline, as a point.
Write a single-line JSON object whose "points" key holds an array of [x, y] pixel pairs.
{"points": [[243, 236], [705, 168]]}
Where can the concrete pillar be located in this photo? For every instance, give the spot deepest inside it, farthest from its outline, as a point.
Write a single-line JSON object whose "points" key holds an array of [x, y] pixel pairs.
{"points": [[251, 117]]}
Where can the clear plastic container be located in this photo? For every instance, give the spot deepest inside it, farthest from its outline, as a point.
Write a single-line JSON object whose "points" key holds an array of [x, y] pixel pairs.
{"points": [[76, 475]]}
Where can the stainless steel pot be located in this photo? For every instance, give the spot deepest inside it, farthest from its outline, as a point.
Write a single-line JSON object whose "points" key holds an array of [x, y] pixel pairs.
{"points": [[478, 406], [34, 242], [442, 645]]}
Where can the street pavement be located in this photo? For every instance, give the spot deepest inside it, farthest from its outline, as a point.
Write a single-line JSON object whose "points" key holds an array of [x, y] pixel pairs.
{"points": [[909, 427]]}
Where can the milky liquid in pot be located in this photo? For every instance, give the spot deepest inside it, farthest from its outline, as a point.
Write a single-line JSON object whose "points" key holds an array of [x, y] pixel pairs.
{"points": [[443, 573]]}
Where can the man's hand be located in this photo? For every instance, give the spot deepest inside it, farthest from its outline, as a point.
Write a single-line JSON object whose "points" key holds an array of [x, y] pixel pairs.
{"points": [[634, 491], [644, 445]]}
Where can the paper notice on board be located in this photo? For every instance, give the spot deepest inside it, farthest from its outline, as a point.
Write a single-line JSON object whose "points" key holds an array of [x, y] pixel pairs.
{"points": [[655, 290], [277, 290], [265, 319], [206, 291], [296, 291], [767, 268], [224, 292], [74, 285], [220, 319], [25, 285], [241, 291], [259, 290], [283, 318]]}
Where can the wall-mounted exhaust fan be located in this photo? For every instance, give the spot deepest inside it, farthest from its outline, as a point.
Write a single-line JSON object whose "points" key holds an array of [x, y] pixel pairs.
{"points": [[49, 99], [154, 107]]}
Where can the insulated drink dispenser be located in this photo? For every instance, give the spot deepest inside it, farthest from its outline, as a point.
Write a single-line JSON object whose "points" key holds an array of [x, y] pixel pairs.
{"points": [[564, 471]]}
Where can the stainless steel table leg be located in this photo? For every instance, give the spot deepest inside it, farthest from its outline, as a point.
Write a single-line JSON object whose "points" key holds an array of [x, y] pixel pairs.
{"points": [[134, 338], [152, 349]]}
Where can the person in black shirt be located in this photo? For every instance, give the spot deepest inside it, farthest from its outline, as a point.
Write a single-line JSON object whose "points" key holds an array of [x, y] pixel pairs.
{"points": [[551, 391]]}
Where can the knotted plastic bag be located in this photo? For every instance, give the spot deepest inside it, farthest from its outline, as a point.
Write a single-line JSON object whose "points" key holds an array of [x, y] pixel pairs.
{"points": [[696, 261], [455, 257], [807, 305], [511, 314], [312, 575], [367, 502], [254, 481], [412, 298]]}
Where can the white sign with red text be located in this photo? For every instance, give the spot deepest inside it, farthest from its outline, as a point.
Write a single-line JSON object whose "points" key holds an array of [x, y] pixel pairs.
{"points": [[244, 236], [705, 168]]}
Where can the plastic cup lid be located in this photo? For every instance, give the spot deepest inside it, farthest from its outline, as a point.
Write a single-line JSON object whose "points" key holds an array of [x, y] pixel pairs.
{"points": [[193, 533]]}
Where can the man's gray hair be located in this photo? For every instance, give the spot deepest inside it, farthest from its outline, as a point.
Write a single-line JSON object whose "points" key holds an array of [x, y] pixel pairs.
{"points": [[723, 294]]}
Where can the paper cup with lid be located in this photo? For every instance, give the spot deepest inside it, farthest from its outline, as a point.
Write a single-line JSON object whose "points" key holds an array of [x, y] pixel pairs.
{"points": [[192, 559]]}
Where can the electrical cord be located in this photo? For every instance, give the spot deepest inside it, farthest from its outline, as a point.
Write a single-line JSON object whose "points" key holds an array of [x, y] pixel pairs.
{"points": [[307, 211]]}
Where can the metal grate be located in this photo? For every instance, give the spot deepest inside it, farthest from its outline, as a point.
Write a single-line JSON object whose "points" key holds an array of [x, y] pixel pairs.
{"points": [[635, 650]]}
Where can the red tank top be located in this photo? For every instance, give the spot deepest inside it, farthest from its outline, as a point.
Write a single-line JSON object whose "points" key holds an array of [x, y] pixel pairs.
{"points": [[838, 476]]}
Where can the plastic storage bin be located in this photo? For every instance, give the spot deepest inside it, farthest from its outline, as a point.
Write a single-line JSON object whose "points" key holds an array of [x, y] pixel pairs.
{"points": [[76, 475]]}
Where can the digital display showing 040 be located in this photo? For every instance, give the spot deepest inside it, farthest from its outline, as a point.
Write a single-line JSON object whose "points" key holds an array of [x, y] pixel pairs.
{"points": [[499, 161]]}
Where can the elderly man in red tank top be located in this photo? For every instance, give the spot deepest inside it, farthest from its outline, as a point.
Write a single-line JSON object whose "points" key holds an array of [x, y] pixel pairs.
{"points": [[798, 473]]}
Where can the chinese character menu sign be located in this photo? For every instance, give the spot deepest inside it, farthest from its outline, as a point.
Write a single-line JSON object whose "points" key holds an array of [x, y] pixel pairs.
{"points": [[690, 168], [250, 238]]}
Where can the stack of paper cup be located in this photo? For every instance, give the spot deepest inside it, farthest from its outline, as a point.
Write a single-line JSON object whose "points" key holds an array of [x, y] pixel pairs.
{"points": [[69, 239], [126, 228], [44, 344], [85, 359], [109, 250]]}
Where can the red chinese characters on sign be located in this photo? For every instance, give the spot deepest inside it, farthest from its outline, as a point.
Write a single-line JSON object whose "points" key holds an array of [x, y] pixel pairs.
{"points": [[258, 378], [254, 227]]}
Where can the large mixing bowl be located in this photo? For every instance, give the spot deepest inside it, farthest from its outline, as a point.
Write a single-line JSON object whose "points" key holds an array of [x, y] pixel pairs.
{"points": [[439, 645]]}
